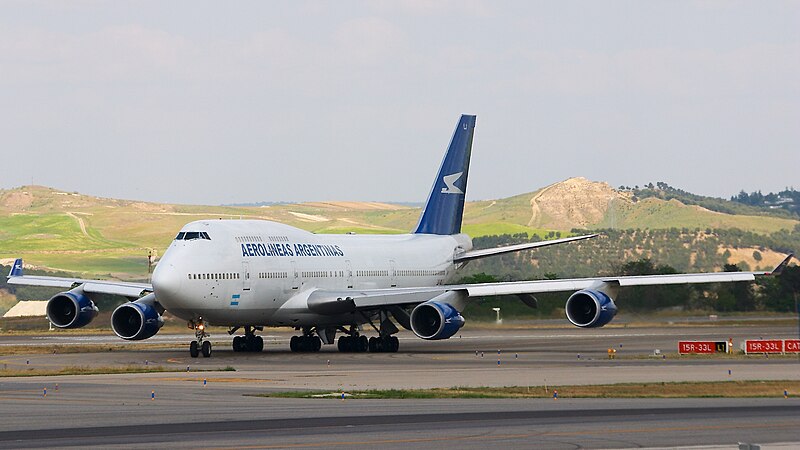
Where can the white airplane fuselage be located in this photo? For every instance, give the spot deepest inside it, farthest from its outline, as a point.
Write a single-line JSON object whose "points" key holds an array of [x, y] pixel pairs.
{"points": [[260, 272]]}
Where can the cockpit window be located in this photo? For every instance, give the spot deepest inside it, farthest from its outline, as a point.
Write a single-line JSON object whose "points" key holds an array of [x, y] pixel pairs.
{"points": [[191, 235]]}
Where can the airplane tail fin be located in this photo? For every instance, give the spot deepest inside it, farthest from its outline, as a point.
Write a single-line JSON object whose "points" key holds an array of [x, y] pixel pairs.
{"points": [[16, 269], [445, 206]]}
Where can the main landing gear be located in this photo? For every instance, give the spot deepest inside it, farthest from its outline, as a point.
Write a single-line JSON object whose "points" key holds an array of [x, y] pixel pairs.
{"points": [[384, 344], [306, 343], [201, 345], [249, 342], [354, 342]]}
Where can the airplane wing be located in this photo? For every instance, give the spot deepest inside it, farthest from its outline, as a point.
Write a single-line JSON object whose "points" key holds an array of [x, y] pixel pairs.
{"points": [[123, 288], [475, 254], [337, 302]]}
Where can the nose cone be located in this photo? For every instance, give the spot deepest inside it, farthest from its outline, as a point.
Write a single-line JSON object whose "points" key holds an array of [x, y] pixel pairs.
{"points": [[167, 283]]}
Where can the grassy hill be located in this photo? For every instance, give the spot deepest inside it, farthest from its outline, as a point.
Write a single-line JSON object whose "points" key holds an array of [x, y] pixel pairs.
{"points": [[97, 236]]}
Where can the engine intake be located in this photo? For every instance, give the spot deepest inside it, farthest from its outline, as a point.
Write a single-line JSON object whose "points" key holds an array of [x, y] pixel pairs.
{"points": [[590, 309], [71, 309], [137, 320], [434, 320]]}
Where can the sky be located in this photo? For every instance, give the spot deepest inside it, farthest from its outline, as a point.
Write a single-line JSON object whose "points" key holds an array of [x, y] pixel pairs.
{"points": [[206, 102]]}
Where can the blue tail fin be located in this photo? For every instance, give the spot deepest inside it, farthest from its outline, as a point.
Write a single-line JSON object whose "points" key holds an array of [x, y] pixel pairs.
{"points": [[445, 205], [16, 269]]}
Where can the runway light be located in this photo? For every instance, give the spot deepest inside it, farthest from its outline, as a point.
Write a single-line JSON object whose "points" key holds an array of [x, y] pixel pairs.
{"points": [[204, 381], [153, 394], [44, 394]]}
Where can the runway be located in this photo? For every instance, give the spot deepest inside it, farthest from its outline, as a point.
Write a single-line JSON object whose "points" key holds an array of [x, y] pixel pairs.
{"points": [[104, 410]]}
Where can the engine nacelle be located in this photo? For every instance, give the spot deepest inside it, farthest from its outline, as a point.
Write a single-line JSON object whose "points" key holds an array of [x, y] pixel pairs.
{"points": [[137, 320], [434, 320], [590, 309], [71, 309]]}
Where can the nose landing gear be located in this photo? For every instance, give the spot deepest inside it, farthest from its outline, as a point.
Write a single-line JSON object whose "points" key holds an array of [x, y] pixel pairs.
{"points": [[201, 345]]}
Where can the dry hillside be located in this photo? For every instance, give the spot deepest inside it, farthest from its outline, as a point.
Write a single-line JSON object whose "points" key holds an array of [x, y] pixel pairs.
{"points": [[573, 203]]}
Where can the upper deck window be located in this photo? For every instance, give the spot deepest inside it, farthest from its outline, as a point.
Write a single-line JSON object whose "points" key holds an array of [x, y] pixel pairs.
{"points": [[191, 235]]}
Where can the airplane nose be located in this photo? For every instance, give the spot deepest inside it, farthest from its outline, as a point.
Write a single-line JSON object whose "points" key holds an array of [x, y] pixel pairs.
{"points": [[166, 282]]}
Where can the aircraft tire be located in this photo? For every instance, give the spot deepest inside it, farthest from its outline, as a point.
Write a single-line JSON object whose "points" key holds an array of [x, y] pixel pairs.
{"points": [[373, 344], [293, 343], [394, 344], [362, 344], [206, 349], [251, 343], [237, 343], [317, 344], [344, 344], [194, 349]]}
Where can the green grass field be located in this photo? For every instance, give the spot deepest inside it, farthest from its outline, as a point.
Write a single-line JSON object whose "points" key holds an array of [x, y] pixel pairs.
{"points": [[652, 213], [720, 389]]}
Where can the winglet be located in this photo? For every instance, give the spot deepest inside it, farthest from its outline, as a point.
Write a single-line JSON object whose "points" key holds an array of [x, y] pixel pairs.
{"points": [[777, 270], [16, 269]]}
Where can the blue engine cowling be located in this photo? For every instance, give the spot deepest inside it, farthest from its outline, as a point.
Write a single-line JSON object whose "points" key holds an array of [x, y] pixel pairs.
{"points": [[136, 321], [435, 320], [71, 309], [590, 309]]}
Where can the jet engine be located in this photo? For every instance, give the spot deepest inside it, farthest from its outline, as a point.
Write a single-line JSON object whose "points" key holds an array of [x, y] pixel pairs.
{"points": [[590, 309], [137, 320], [435, 320], [71, 309]]}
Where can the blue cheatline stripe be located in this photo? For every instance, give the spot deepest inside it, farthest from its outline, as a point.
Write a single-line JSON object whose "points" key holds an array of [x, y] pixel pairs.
{"points": [[234, 303], [235, 296]]}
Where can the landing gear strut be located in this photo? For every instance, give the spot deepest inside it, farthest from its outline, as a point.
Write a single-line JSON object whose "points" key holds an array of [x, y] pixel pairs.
{"points": [[385, 342], [249, 342], [308, 342], [201, 345]]}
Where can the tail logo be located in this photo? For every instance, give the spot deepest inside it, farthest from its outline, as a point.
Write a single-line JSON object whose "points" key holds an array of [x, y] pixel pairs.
{"points": [[449, 181]]}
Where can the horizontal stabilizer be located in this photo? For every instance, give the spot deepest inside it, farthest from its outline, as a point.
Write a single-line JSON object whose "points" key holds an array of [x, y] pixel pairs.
{"points": [[475, 254]]}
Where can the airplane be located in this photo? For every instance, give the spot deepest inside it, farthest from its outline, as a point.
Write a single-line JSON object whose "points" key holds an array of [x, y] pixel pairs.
{"points": [[251, 274]]}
